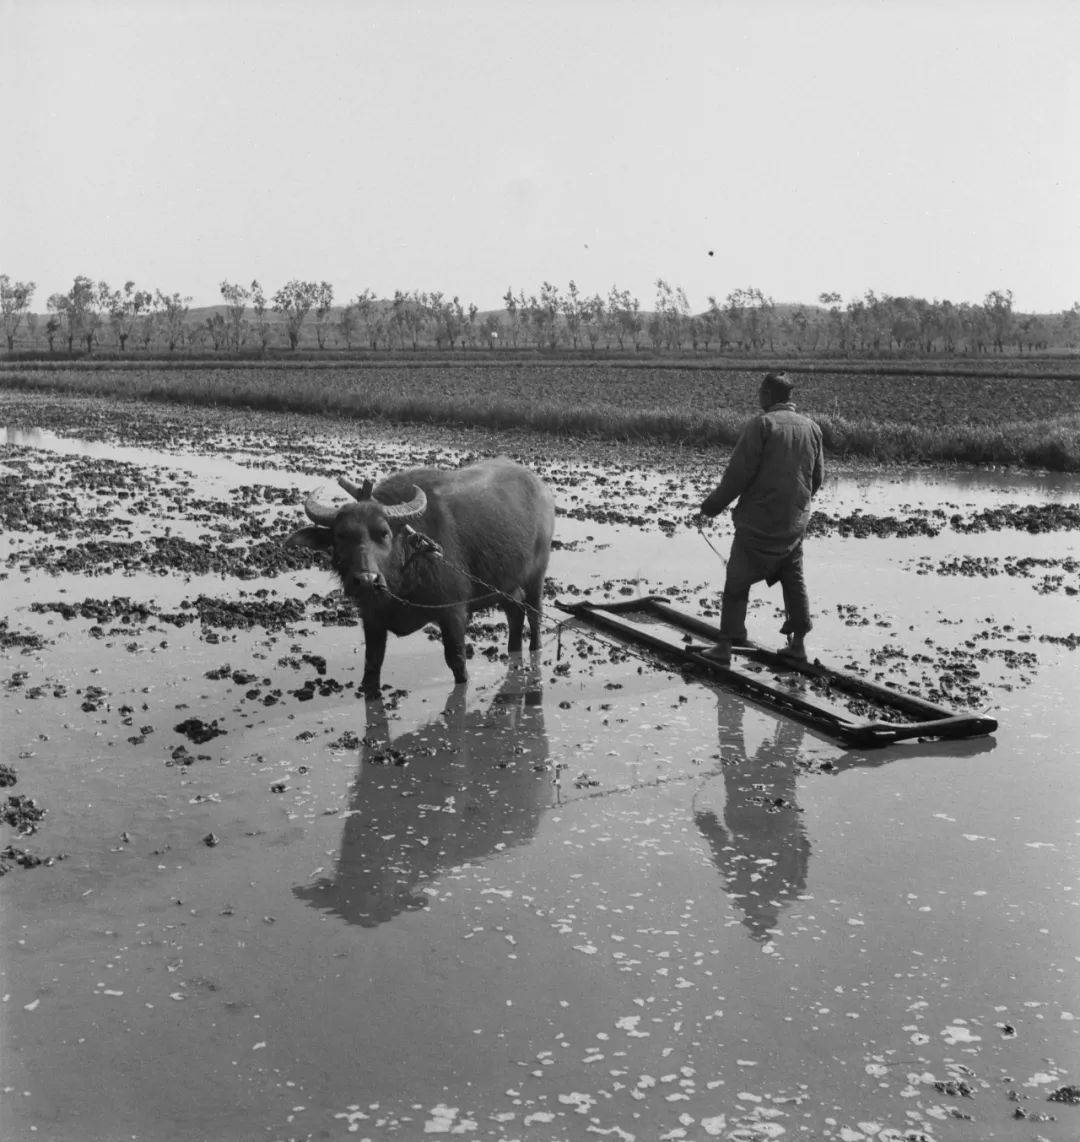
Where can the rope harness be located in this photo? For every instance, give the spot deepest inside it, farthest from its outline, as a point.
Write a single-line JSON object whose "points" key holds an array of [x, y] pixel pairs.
{"points": [[424, 545]]}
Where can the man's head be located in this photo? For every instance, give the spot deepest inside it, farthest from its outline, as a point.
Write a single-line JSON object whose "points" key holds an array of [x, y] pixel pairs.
{"points": [[775, 389]]}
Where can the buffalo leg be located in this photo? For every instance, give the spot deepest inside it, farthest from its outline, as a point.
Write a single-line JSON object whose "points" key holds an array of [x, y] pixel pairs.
{"points": [[452, 626], [515, 617], [534, 602], [374, 653]]}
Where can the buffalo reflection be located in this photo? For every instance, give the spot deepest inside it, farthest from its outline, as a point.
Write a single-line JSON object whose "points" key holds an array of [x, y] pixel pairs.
{"points": [[462, 787]]}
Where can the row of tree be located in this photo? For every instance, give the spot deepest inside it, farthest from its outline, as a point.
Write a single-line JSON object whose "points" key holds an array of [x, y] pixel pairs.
{"points": [[89, 309], [746, 321]]}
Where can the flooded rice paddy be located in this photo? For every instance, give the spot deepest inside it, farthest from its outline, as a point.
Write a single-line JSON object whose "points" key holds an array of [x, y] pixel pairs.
{"points": [[582, 897]]}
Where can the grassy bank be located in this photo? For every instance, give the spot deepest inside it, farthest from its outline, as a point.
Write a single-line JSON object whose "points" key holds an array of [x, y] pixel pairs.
{"points": [[1031, 421]]}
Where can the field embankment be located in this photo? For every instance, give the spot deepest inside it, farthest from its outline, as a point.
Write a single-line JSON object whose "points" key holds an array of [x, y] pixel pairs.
{"points": [[1028, 421]]}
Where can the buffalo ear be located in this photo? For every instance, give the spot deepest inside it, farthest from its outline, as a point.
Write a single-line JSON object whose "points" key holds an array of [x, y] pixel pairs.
{"points": [[317, 538]]}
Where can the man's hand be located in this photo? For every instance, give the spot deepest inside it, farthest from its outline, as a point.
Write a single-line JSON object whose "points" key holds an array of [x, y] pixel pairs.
{"points": [[700, 520]]}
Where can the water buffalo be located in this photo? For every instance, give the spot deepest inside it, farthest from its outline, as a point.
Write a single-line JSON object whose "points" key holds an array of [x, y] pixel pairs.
{"points": [[432, 545]]}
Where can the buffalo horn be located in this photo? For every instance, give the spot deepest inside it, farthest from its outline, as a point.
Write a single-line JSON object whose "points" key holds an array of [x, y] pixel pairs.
{"points": [[357, 491], [414, 507], [319, 513]]}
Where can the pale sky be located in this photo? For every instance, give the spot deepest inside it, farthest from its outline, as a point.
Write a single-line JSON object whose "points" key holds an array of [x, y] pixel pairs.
{"points": [[909, 147]]}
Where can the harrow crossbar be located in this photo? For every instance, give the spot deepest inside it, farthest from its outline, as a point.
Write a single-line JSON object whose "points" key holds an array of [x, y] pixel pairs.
{"points": [[931, 720]]}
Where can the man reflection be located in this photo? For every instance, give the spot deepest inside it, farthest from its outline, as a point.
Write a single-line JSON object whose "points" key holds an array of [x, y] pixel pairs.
{"points": [[760, 847], [458, 789]]}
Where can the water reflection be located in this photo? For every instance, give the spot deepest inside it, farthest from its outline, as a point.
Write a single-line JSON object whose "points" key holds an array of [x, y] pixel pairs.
{"points": [[931, 483], [758, 839], [225, 463], [46, 440], [760, 845], [455, 790]]}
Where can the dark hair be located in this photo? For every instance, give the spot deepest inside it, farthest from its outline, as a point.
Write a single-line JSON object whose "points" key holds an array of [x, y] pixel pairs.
{"points": [[780, 384]]}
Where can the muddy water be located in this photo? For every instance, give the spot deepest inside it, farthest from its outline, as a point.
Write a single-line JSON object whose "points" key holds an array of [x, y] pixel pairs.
{"points": [[582, 897]]}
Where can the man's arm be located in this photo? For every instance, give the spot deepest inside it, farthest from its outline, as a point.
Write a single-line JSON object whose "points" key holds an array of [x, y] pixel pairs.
{"points": [[741, 469], [819, 465]]}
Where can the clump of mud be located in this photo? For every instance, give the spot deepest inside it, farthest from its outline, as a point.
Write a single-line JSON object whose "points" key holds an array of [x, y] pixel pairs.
{"points": [[17, 640], [199, 731], [1033, 518], [22, 813], [12, 855]]}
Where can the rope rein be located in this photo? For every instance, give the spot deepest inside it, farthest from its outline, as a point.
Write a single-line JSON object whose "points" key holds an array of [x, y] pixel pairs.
{"points": [[425, 544], [541, 618], [710, 543]]}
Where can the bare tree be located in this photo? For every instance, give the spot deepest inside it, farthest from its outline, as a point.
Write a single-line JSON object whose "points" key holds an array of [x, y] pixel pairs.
{"points": [[146, 328], [366, 308], [532, 317], [347, 324], [123, 308], [456, 324], [471, 329], [416, 318], [592, 316], [324, 301], [950, 326], [236, 299], [858, 322], [572, 307], [875, 318], [752, 314], [1070, 325], [836, 325], [513, 316], [547, 314], [174, 310], [717, 324], [80, 311], [447, 318], [433, 305], [294, 302], [489, 330], [399, 310], [1031, 332], [998, 305], [672, 312], [624, 317], [258, 307], [15, 298], [219, 332]]}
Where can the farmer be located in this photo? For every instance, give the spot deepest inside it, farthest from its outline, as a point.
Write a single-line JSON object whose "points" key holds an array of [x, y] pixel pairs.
{"points": [[775, 469]]}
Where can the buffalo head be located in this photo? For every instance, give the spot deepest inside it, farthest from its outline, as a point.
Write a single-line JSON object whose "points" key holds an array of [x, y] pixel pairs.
{"points": [[360, 537]]}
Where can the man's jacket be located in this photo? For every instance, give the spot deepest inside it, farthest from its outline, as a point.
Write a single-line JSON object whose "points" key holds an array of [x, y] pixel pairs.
{"points": [[776, 467]]}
